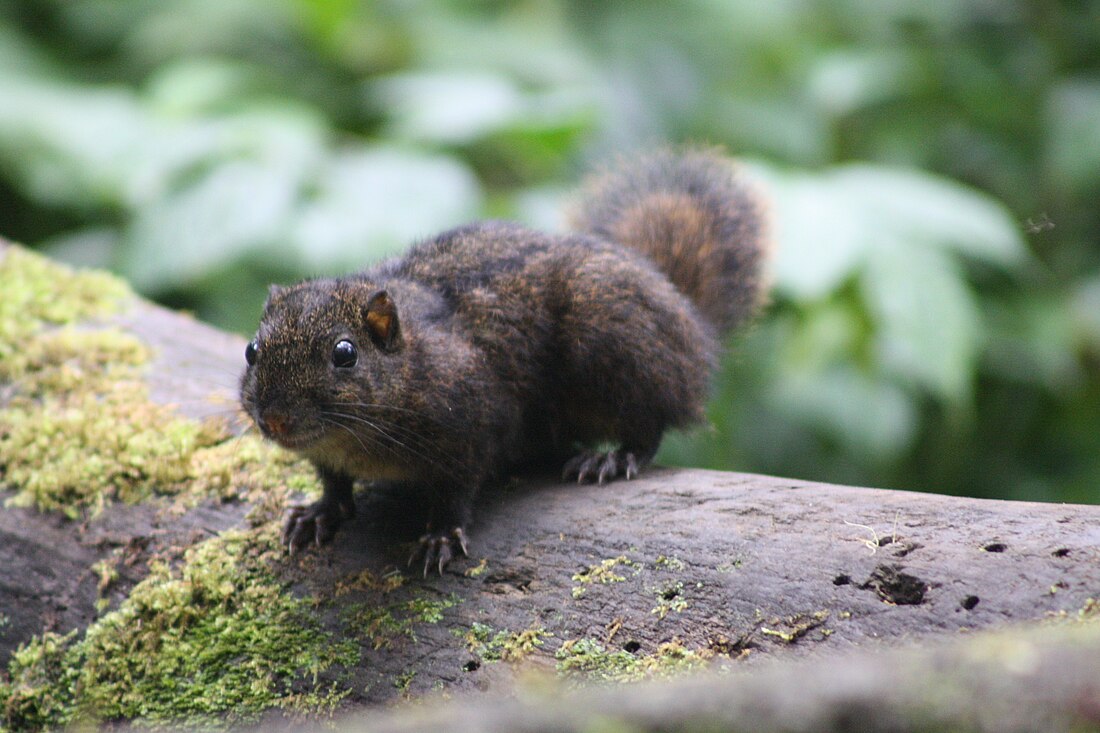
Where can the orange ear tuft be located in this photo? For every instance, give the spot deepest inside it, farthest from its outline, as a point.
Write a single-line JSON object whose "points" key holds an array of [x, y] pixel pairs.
{"points": [[382, 319]]}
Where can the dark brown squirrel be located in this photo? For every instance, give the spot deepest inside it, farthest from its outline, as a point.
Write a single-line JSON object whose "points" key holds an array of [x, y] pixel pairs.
{"points": [[492, 346]]}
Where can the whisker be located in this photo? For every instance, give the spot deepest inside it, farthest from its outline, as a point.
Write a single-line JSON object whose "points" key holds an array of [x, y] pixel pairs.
{"points": [[378, 429], [357, 437], [417, 446], [422, 414]]}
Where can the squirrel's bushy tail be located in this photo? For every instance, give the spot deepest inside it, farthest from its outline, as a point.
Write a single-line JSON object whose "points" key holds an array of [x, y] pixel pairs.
{"points": [[695, 217]]}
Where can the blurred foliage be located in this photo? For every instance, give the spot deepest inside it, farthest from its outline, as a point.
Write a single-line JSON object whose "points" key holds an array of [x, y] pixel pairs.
{"points": [[936, 315]]}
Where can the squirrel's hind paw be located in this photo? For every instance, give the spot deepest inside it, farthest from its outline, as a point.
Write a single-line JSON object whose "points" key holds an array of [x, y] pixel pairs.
{"points": [[437, 549], [602, 467]]}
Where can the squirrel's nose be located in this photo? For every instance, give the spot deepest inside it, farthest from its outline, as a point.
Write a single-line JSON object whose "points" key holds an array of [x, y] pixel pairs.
{"points": [[274, 424]]}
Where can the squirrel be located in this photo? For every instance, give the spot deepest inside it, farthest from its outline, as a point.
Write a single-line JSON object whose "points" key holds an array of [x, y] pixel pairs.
{"points": [[492, 345]]}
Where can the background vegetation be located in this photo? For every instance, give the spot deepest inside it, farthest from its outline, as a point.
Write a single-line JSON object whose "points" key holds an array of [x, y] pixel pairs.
{"points": [[935, 169]]}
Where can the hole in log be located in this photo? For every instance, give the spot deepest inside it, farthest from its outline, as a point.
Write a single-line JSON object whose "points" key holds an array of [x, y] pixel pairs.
{"points": [[1061, 552], [894, 586], [669, 594], [904, 548], [842, 579], [471, 666], [631, 646], [995, 547], [969, 602]]}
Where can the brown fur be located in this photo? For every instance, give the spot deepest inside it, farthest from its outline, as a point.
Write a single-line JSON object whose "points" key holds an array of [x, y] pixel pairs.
{"points": [[493, 345], [694, 215]]}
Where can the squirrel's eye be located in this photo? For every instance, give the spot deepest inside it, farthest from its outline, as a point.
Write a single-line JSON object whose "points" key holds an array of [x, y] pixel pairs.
{"points": [[344, 354], [251, 351]]}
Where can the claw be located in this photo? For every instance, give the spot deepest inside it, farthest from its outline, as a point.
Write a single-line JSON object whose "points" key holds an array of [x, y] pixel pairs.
{"points": [[435, 549], [631, 466], [602, 467], [572, 466], [608, 468], [318, 521], [461, 537]]}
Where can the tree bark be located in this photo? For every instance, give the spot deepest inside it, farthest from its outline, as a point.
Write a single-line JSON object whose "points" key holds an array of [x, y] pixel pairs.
{"points": [[717, 568]]}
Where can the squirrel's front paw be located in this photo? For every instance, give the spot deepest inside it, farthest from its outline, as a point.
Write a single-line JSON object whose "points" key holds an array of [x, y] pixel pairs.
{"points": [[317, 522], [438, 549], [602, 467]]}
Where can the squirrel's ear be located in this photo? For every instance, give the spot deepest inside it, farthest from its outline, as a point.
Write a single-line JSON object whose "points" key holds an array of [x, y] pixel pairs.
{"points": [[381, 320], [273, 292]]}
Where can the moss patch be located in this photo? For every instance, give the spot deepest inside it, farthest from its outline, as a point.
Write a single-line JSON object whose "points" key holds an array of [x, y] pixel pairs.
{"points": [[1089, 613], [39, 292], [797, 626], [491, 645], [215, 642], [74, 449], [212, 640], [587, 659], [79, 430], [602, 573], [383, 624], [670, 598]]}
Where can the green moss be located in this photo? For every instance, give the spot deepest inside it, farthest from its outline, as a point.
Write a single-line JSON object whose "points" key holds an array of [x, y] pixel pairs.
{"points": [[40, 292], [670, 598], [383, 624], [404, 680], [666, 562], [215, 642], [1089, 613], [106, 570], [367, 580], [77, 451], [602, 573], [478, 570], [587, 659], [797, 626], [491, 645], [250, 469], [518, 645], [81, 431]]}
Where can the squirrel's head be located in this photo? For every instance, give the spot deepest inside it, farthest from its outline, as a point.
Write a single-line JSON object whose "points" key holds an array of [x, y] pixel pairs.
{"points": [[312, 369]]}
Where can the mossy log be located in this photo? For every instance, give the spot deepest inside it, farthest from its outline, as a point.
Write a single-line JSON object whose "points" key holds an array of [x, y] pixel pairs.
{"points": [[1017, 681], [677, 570]]}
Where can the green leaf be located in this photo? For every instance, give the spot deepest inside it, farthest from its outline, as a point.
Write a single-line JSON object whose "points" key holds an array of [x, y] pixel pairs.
{"points": [[209, 191], [373, 202], [871, 417], [922, 209], [448, 107], [827, 224], [842, 82], [1073, 142], [927, 328], [69, 145], [238, 206], [192, 86], [1034, 338], [820, 239]]}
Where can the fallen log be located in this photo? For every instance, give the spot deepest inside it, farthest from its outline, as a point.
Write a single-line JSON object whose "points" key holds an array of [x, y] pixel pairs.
{"points": [[675, 571], [1016, 681]]}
